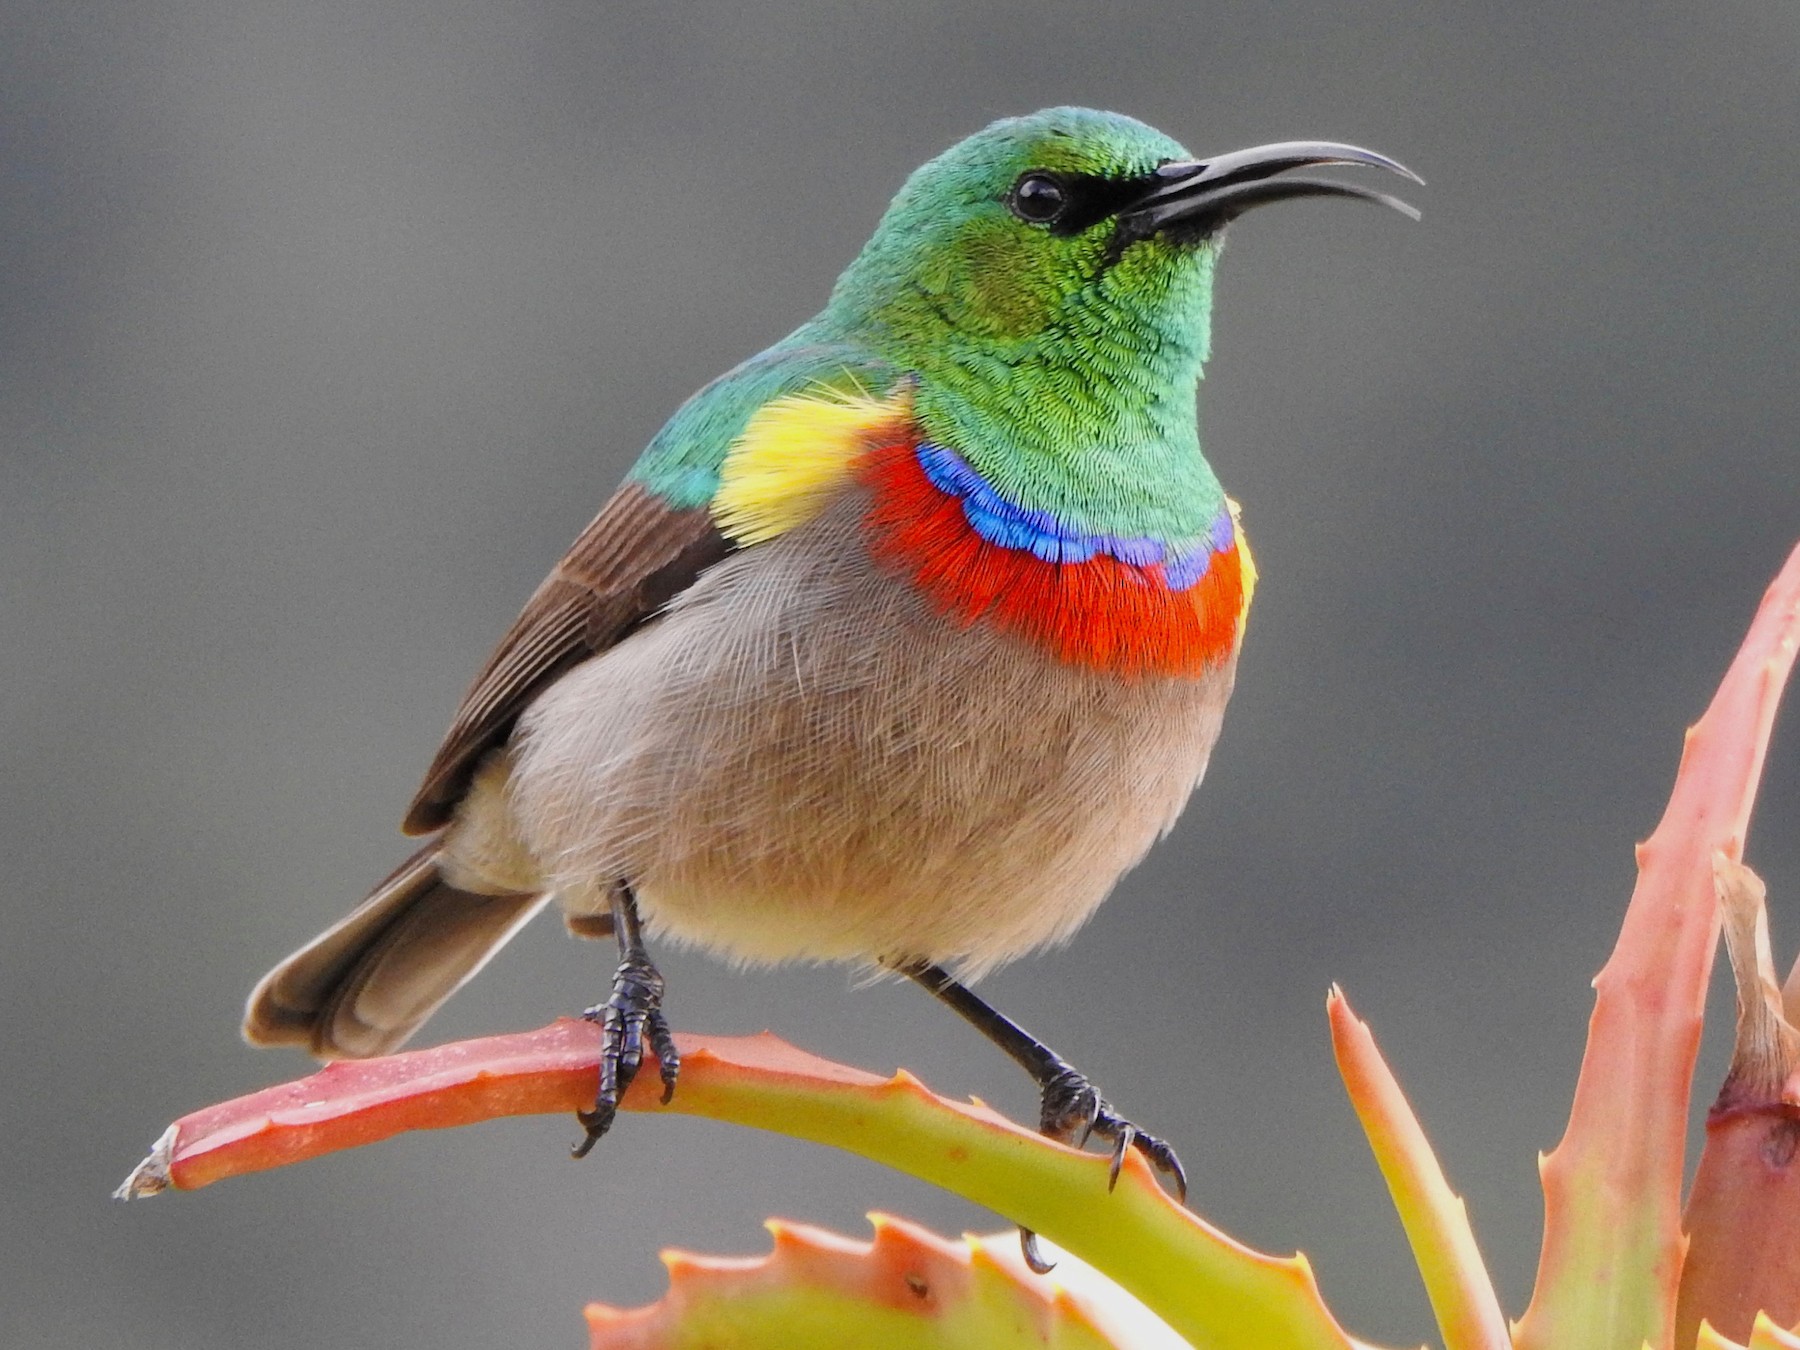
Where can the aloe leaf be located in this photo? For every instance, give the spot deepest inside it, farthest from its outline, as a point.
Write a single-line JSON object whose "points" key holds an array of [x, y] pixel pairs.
{"points": [[1435, 1218], [1764, 1336], [1613, 1245], [907, 1289], [1211, 1289], [1743, 1212], [1768, 1336]]}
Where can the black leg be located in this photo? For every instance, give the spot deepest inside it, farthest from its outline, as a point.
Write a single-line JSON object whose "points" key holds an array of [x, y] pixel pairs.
{"points": [[634, 1010], [1071, 1109]]}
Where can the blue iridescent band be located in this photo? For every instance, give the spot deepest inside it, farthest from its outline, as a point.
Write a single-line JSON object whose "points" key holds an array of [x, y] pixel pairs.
{"points": [[1039, 533]]}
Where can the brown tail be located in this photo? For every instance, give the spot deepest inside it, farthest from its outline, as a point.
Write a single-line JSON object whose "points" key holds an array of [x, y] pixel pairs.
{"points": [[368, 982]]}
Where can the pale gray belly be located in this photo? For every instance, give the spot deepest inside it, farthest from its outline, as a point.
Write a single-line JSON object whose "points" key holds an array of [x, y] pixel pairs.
{"points": [[802, 760]]}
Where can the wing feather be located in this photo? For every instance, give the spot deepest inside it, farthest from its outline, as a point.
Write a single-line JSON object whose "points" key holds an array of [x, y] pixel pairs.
{"points": [[635, 556], [644, 548]]}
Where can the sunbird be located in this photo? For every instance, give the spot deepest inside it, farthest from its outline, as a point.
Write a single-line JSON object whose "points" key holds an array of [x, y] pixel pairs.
{"points": [[900, 643]]}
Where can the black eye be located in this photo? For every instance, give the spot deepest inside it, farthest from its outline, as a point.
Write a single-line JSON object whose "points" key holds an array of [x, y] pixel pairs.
{"points": [[1038, 199]]}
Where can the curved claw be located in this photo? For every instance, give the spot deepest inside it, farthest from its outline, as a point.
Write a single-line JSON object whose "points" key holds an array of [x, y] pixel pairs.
{"points": [[1126, 1136], [1033, 1254], [597, 1123], [1157, 1153], [1087, 1129], [668, 1058], [1160, 1156]]}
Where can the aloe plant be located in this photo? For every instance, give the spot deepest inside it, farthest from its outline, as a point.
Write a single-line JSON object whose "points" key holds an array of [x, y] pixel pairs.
{"points": [[1621, 1266]]}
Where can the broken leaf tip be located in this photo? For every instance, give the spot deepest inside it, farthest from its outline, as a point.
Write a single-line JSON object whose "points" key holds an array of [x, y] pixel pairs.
{"points": [[152, 1174]]}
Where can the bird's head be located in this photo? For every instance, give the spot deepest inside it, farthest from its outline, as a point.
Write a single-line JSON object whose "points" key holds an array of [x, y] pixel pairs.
{"points": [[1070, 223]]}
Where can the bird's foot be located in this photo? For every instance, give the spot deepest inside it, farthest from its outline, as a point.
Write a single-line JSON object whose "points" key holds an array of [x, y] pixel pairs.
{"points": [[1072, 1112], [632, 1016]]}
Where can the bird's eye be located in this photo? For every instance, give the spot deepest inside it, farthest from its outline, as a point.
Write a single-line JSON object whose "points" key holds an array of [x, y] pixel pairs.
{"points": [[1038, 199]]}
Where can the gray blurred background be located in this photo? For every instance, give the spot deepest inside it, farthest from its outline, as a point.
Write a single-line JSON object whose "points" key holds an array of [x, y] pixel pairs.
{"points": [[325, 326]]}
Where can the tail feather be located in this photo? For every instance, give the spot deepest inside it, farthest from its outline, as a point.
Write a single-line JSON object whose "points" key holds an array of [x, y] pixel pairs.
{"points": [[363, 986]]}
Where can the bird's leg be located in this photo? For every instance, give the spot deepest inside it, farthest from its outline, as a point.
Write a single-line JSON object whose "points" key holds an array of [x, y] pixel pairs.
{"points": [[634, 1009], [1072, 1110]]}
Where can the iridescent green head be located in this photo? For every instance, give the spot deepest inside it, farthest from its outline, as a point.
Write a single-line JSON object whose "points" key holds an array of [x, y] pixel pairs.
{"points": [[1049, 280], [1047, 220], [1007, 233]]}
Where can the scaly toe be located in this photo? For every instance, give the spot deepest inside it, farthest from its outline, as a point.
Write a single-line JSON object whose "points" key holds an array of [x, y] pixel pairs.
{"points": [[633, 1009], [668, 1058], [1074, 1112]]}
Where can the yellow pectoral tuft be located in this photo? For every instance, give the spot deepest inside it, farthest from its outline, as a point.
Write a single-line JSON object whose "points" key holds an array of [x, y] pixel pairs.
{"points": [[1246, 566], [795, 452]]}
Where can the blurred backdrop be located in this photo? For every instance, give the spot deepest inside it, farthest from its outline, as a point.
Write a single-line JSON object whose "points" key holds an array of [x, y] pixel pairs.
{"points": [[325, 326]]}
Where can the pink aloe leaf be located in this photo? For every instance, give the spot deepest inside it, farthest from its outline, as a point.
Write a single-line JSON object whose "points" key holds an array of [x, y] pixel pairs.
{"points": [[1435, 1218], [908, 1289], [1209, 1288], [1743, 1213], [1613, 1245]]}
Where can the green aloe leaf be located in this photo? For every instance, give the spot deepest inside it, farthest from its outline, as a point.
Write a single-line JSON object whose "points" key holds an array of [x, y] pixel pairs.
{"points": [[1435, 1218], [907, 1289]]}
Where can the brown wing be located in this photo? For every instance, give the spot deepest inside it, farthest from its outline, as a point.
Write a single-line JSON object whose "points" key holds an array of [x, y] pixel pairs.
{"points": [[636, 555]]}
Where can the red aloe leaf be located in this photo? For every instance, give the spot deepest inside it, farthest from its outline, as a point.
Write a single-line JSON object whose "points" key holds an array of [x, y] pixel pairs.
{"points": [[1743, 1214], [355, 1102], [1210, 1288], [1434, 1216], [1613, 1244]]}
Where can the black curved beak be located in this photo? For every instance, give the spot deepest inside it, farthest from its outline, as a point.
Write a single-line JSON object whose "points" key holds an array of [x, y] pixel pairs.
{"points": [[1201, 196]]}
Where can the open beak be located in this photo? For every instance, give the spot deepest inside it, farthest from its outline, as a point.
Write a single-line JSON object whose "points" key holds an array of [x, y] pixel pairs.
{"points": [[1202, 195]]}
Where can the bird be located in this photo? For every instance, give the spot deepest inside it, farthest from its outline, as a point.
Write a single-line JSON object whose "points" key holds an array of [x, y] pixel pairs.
{"points": [[900, 643]]}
